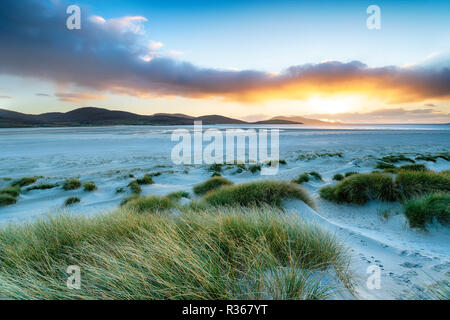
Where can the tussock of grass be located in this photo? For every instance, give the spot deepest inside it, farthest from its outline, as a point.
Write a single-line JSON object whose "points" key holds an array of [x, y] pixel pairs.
{"points": [[216, 167], [12, 191], [315, 174], [71, 184], [6, 199], [211, 184], [177, 195], [257, 193], [396, 158], [43, 186], [414, 167], [89, 186], [361, 188], [338, 177], [23, 182], [304, 177], [216, 174], [135, 187], [149, 204], [219, 254], [384, 165], [426, 209], [146, 179], [72, 200], [350, 173], [254, 168], [416, 183]]}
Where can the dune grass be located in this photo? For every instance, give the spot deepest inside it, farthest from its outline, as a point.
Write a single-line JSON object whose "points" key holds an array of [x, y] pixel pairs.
{"points": [[146, 179], [7, 199], [72, 200], [384, 165], [12, 191], [254, 168], [211, 184], [257, 193], [135, 187], [42, 186], [177, 195], [216, 254], [414, 167], [396, 158], [304, 177], [23, 182], [71, 184], [350, 173], [149, 204], [361, 188], [338, 177], [89, 186], [415, 183], [425, 210]]}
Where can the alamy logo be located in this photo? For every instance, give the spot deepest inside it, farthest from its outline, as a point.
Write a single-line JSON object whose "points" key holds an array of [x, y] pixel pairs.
{"points": [[374, 280], [74, 280], [227, 146], [373, 22], [74, 20]]}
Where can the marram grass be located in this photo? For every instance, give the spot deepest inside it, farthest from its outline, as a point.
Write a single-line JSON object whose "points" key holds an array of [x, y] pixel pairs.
{"points": [[222, 253]]}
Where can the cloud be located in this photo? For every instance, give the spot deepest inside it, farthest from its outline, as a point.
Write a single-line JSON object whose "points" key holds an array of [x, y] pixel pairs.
{"points": [[117, 55], [5, 97], [394, 115], [42, 95], [77, 97]]}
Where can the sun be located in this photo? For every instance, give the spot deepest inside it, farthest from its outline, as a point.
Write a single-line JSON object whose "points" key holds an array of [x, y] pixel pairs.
{"points": [[333, 105]]}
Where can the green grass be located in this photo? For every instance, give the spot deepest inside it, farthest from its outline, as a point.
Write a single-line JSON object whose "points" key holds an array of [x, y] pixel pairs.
{"points": [[72, 200], [89, 186], [215, 254], [396, 158], [135, 187], [338, 177], [216, 167], [257, 193], [350, 173], [426, 209], [315, 174], [211, 184], [12, 191], [146, 179], [254, 168], [23, 182], [71, 184], [361, 188], [304, 177], [384, 165], [416, 183], [216, 174], [414, 167], [177, 195], [149, 204], [6, 199], [42, 186]]}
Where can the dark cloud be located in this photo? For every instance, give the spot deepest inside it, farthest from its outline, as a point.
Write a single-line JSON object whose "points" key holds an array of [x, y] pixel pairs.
{"points": [[5, 97], [117, 56], [42, 95]]}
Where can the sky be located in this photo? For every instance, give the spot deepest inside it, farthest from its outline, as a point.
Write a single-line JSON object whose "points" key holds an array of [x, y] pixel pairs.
{"points": [[245, 59]]}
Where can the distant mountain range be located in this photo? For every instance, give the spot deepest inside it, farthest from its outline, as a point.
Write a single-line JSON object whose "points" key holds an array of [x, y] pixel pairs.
{"points": [[103, 117]]}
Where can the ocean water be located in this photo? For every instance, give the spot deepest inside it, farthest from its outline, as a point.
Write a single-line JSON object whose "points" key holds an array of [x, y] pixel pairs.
{"points": [[108, 155]]}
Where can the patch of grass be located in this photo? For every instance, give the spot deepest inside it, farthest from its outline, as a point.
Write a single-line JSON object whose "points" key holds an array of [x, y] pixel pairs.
{"points": [[361, 188], [416, 183], [338, 177], [428, 208], [304, 177], [12, 191], [72, 200], [215, 254], [216, 167], [414, 167], [146, 179], [149, 204], [350, 173], [315, 174], [216, 174], [211, 184], [254, 168], [177, 195], [257, 193], [6, 199], [120, 190], [23, 182], [42, 186], [396, 158], [384, 165], [426, 158], [89, 186], [135, 187], [71, 184]]}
